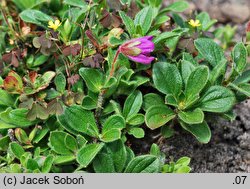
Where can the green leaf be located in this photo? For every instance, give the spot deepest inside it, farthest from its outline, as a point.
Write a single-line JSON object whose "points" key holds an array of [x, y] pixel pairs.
{"points": [[159, 20], [44, 80], [60, 82], [18, 117], [164, 36], [47, 164], [219, 69], [89, 102], [21, 136], [64, 159], [188, 57], [186, 69], [137, 119], [70, 142], [78, 119], [167, 78], [77, 3], [111, 135], [196, 81], [24, 158], [143, 164], [158, 115], [137, 132], [132, 104], [130, 155], [1, 80], [81, 141], [192, 117], [112, 158], [40, 134], [155, 3], [4, 143], [244, 78], [144, 18], [39, 60], [201, 131], [93, 78], [35, 17], [16, 149], [6, 99], [167, 131], [28, 4], [14, 119], [182, 165], [183, 161], [178, 6], [152, 99], [217, 99], [209, 50], [155, 150], [243, 88], [113, 122], [206, 22], [239, 56], [128, 22], [119, 154], [87, 153], [58, 144], [32, 164], [103, 163], [171, 100], [183, 169]]}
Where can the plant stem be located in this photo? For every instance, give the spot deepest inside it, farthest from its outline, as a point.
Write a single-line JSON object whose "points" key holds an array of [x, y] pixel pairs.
{"points": [[111, 73], [99, 107], [103, 91], [66, 64], [83, 27]]}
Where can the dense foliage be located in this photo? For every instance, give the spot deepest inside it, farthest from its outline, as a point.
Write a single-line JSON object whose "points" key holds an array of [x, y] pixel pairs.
{"points": [[82, 81]]}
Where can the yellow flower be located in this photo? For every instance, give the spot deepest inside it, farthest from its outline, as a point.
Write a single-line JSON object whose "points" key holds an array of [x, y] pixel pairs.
{"points": [[194, 23], [54, 25]]}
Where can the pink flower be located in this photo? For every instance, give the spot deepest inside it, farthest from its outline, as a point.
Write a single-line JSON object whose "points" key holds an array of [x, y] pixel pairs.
{"points": [[139, 49]]}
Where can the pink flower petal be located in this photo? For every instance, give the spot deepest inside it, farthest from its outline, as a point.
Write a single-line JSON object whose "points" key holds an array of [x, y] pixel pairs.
{"points": [[142, 59], [146, 47], [150, 38]]}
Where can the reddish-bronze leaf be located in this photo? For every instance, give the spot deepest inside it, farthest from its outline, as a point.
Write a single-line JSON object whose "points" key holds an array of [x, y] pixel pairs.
{"points": [[7, 57], [10, 84], [72, 50], [33, 76], [110, 19], [248, 27], [73, 79], [37, 111], [14, 60], [55, 107], [92, 38], [106, 19], [116, 20]]}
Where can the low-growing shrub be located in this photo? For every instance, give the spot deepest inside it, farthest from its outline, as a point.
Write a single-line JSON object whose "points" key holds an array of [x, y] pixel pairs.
{"points": [[82, 81]]}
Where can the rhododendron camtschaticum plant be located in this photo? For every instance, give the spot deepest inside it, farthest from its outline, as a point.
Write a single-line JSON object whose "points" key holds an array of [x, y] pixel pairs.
{"points": [[78, 92]]}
